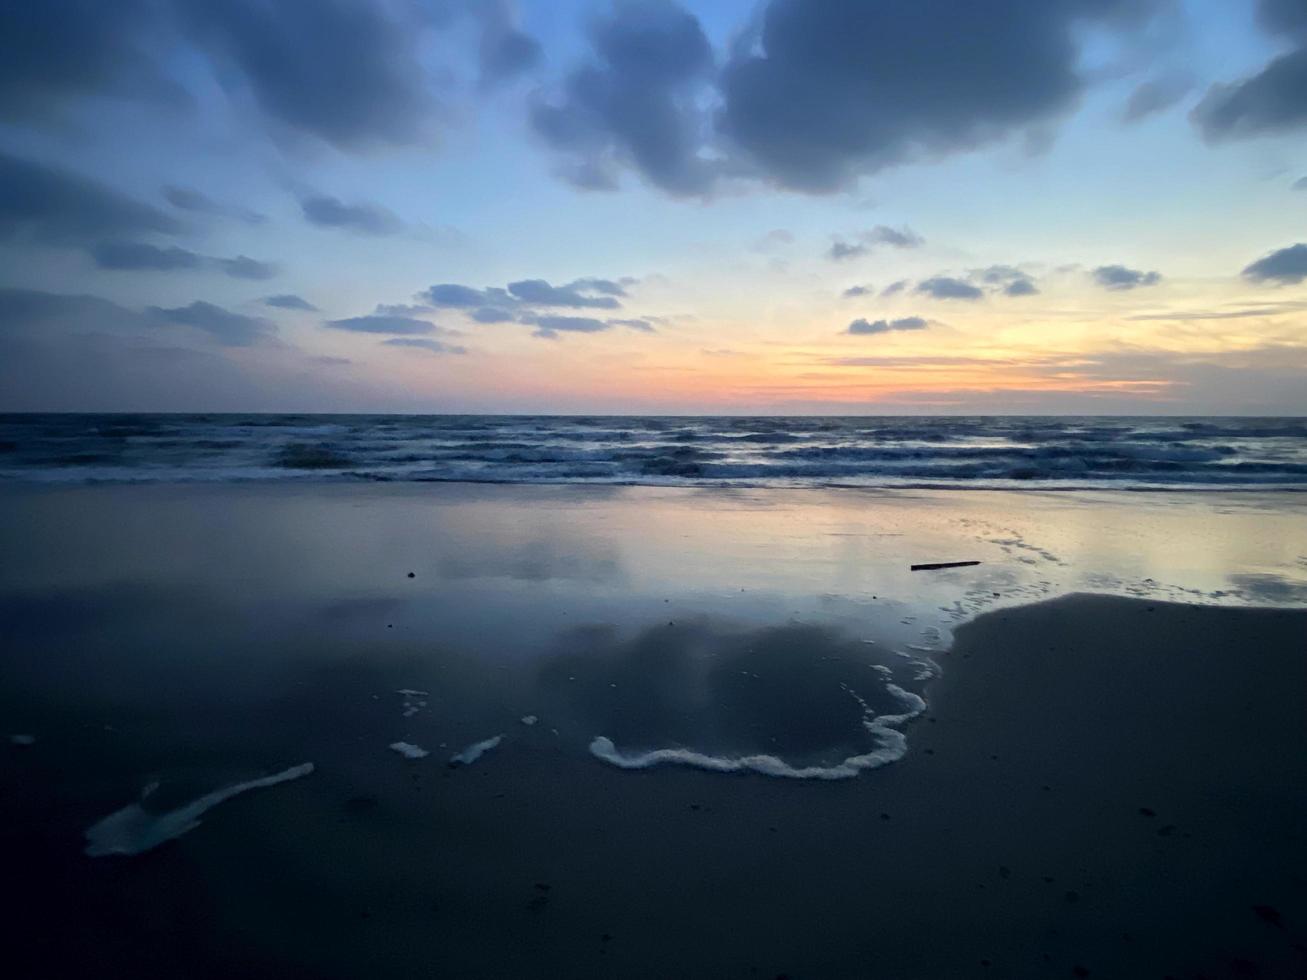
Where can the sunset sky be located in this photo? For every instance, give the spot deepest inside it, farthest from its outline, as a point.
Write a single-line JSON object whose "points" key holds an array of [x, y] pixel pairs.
{"points": [[784, 206]]}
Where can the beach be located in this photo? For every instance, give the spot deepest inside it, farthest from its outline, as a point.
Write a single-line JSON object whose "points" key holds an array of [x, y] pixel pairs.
{"points": [[1081, 757]]}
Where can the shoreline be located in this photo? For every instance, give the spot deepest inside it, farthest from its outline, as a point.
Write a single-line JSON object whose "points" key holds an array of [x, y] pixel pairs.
{"points": [[214, 642]]}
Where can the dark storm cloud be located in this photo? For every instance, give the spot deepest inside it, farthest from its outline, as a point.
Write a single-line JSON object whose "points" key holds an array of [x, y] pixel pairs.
{"points": [[1273, 100], [1119, 277], [56, 206], [1285, 266], [634, 105], [426, 344], [289, 301], [381, 323], [227, 328], [331, 212], [1156, 95], [867, 240], [540, 293], [1020, 287], [832, 89], [244, 267], [189, 199], [130, 256], [947, 287], [862, 328], [55, 50], [341, 70]]}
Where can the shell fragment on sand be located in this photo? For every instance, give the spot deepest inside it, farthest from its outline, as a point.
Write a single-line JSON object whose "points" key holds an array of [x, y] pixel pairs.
{"points": [[474, 751], [409, 751]]}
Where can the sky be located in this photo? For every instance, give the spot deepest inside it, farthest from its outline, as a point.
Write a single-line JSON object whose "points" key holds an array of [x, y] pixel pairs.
{"points": [[654, 207]]}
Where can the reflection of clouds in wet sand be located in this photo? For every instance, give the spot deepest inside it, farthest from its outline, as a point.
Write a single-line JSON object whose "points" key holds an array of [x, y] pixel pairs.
{"points": [[1265, 587], [540, 560], [794, 700]]}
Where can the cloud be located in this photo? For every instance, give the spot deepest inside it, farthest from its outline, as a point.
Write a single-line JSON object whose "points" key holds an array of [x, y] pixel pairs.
{"points": [[56, 50], [540, 293], [381, 323], [131, 256], [1119, 277], [853, 291], [121, 256], [1285, 266], [1273, 100], [496, 305], [346, 72], [506, 51], [947, 287], [1014, 281], [643, 326], [455, 295], [606, 286], [58, 207], [1300, 184], [227, 328], [1243, 313], [862, 328], [331, 212], [828, 91], [880, 235], [289, 301], [189, 199], [244, 267], [895, 287], [549, 327], [492, 314], [32, 307], [1156, 95], [426, 344], [635, 104]]}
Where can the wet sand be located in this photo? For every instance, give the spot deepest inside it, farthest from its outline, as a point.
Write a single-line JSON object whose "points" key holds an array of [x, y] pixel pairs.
{"points": [[1101, 786]]}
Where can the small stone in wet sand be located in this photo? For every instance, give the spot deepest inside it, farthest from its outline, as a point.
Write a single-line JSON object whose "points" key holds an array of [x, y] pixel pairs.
{"points": [[1269, 915], [1147, 812], [412, 575]]}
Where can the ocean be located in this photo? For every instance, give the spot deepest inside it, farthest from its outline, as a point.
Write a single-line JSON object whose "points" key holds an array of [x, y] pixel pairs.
{"points": [[978, 452]]}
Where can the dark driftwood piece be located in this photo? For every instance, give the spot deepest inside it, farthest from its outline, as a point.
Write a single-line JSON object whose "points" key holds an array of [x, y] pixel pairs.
{"points": [[929, 566]]}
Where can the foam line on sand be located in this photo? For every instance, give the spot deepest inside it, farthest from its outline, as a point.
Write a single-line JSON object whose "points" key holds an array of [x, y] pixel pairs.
{"points": [[134, 830]]}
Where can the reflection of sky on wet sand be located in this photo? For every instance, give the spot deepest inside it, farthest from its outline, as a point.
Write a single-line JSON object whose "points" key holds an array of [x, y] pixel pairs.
{"points": [[731, 621]]}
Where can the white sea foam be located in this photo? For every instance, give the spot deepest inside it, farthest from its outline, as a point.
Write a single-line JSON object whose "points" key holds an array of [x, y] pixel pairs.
{"points": [[134, 830], [414, 701], [891, 746], [529, 719], [475, 751], [408, 750], [22, 739]]}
